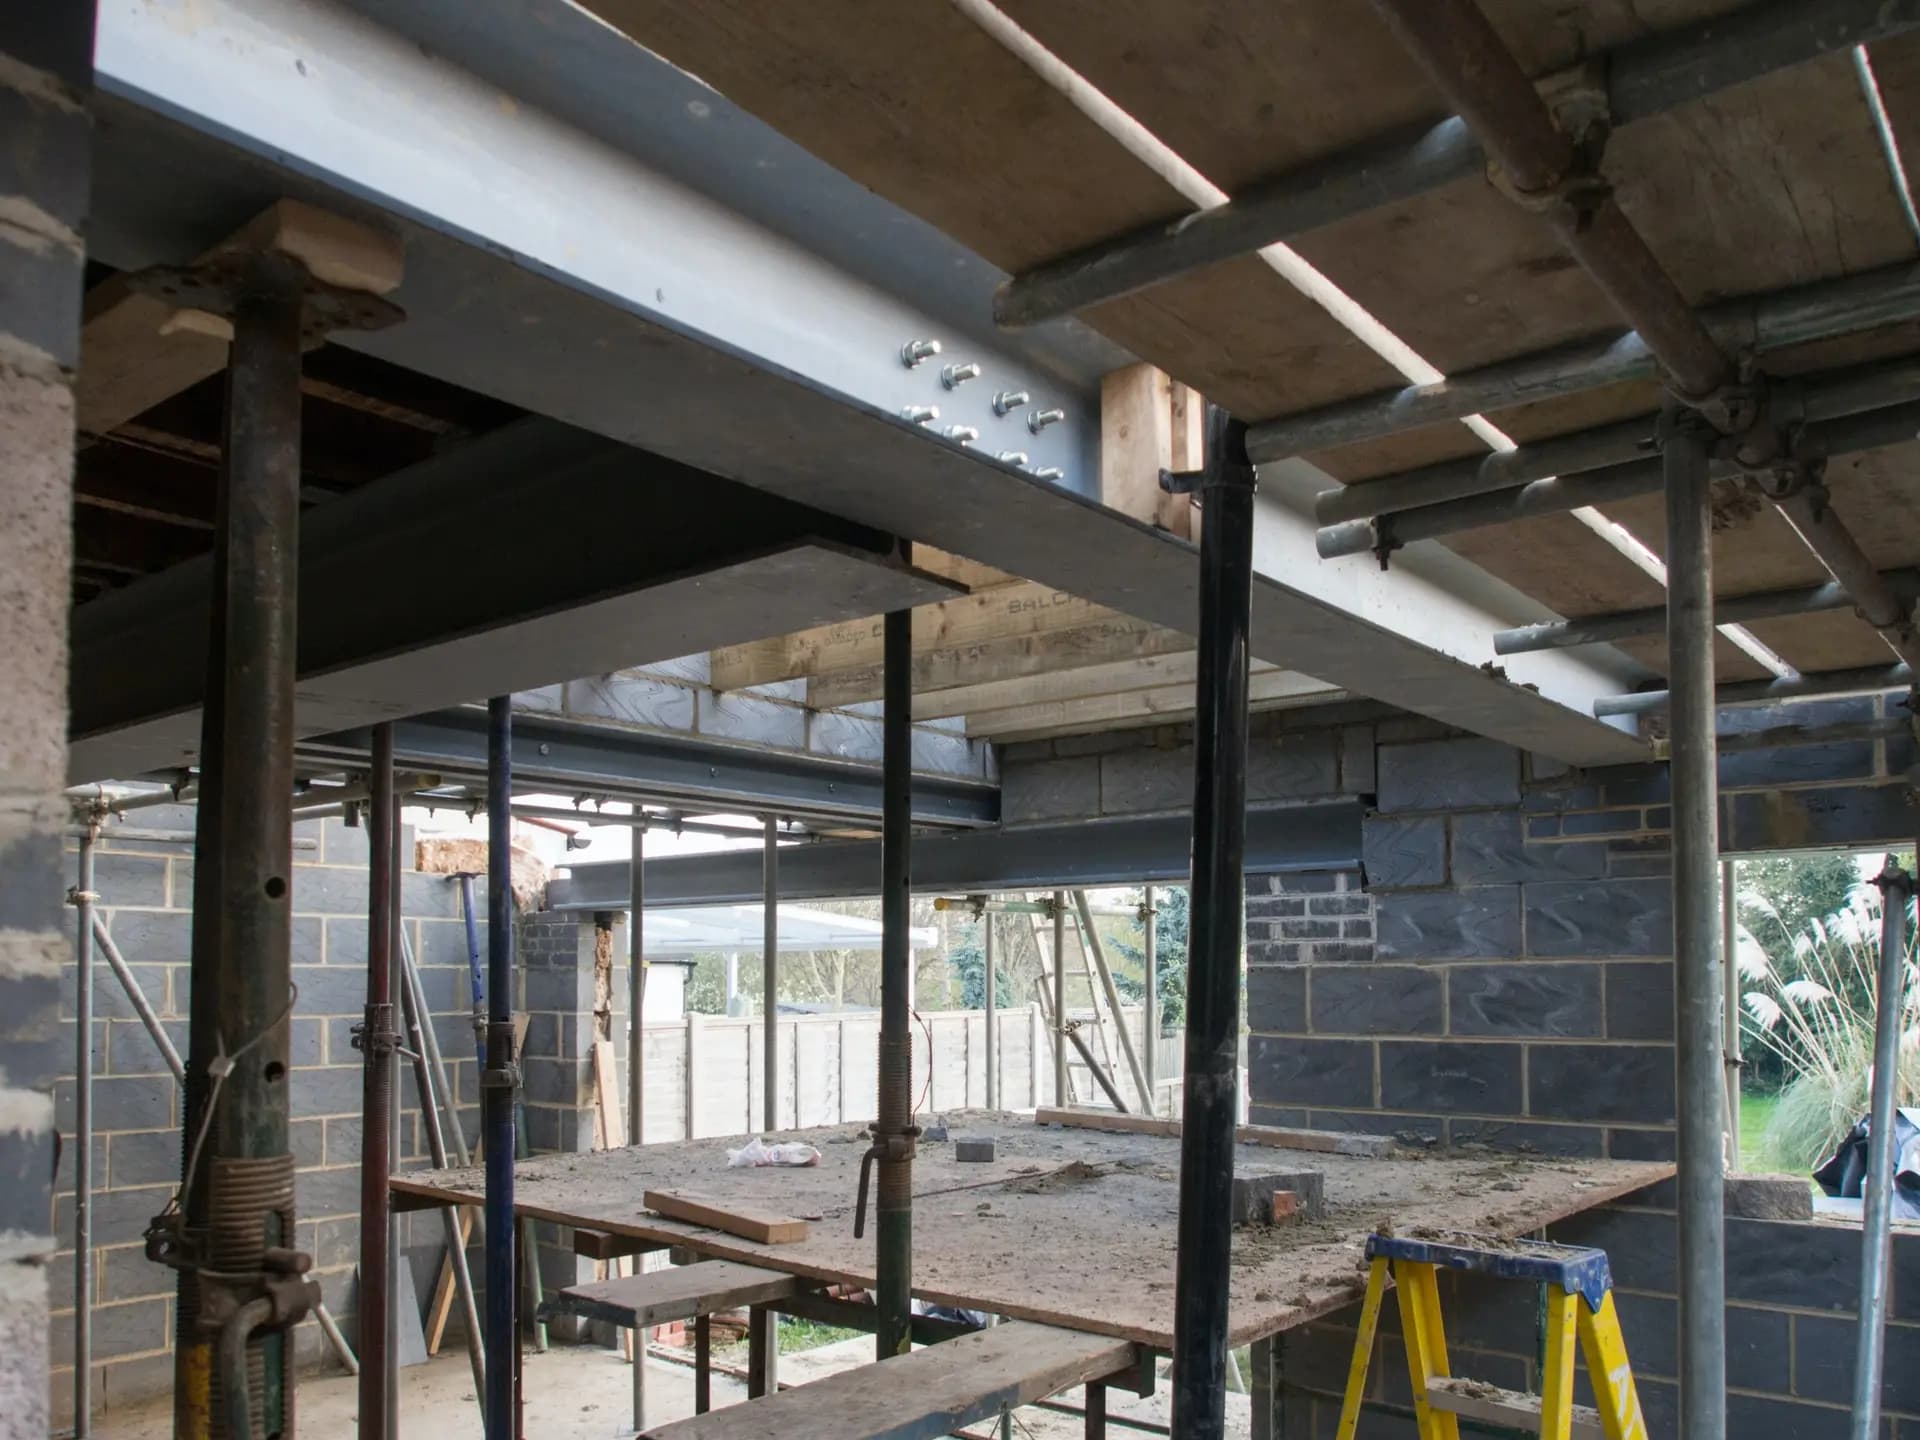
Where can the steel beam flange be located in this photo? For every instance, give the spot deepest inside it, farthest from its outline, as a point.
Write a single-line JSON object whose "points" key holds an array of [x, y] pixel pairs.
{"points": [[216, 286]]}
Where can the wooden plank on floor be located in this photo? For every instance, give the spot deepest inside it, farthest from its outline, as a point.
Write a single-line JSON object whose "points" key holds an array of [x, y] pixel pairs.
{"points": [[680, 1292], [925, 1393], [768, 1227]]}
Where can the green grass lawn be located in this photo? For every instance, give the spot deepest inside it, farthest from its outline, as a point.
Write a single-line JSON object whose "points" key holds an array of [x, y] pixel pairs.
{"points": [[1755, 1112]]}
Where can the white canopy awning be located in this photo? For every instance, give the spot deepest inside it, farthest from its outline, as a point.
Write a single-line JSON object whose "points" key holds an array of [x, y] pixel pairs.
{"points": [[683, 933]]}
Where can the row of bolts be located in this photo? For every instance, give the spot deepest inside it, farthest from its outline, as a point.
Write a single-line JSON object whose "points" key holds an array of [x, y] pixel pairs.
{"points": [[914, 352]]}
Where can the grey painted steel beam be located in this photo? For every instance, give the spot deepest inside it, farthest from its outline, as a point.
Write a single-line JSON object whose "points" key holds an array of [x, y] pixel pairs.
{"points": [[613, 762], [1737, 610], [1317, 836], [536, 554], [760, 359], [1643, 79]]}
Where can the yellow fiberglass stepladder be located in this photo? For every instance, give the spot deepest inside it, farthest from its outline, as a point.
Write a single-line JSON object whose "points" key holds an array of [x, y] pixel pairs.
{"points": [[1579, 1302]]}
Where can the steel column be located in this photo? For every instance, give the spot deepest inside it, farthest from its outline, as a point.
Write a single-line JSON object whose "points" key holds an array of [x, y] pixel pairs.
{"points": [[1149, 944], [894, 1132], [637, 991], [1730, 1000], [1696, 929], [500, 1079], [1896, 891], [378, 1040], [239, 1168], [770, 978], [993, 1018], [1061, 1095], [83, 898], [1211, 1106]]}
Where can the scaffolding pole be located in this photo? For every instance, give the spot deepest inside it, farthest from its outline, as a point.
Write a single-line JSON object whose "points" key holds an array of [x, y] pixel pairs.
{"points": [[1696, 930], [379, 1040], [1896, 890], [83, 945]]}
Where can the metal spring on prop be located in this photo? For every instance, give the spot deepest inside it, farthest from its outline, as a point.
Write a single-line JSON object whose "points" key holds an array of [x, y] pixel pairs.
{"points": [[249, 1209], [896, 1080]]}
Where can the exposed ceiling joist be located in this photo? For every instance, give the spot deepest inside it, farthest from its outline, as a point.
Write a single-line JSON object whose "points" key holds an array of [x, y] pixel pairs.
{"points": [[1114, 639], [1003, 612], [1160, 705]]}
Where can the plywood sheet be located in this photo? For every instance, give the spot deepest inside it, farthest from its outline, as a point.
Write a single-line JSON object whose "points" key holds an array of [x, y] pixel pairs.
{"points": [[931, 112], [1247, 91], [1066, 1227]]}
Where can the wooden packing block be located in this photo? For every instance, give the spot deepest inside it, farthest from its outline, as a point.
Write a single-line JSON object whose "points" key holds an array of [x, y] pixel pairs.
{"points": [[683, 1292], [765, 1226], [136, 350], [925, 1392], [1330, 1142], [1477, 1400]]}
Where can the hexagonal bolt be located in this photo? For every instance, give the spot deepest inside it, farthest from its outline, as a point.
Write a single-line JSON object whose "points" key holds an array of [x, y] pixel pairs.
{"points": [[921, 414], [953, 375], [1040, 419], [1049, 472], [1008, 401], [1013, 457], [965, 434], [914, 351]]}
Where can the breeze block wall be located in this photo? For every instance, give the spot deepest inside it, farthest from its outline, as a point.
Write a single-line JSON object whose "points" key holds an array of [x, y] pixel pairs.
{"points": [[1497, 970], [144, 876]]}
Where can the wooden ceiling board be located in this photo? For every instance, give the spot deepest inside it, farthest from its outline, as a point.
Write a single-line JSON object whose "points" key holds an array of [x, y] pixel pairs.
{"points": [[1244, 92], [1831, 640], [929, 111], [1773, 183], [1244, 337]]}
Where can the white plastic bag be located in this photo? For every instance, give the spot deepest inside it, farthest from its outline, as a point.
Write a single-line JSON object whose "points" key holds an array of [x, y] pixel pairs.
{"points": [[788, 1152]]}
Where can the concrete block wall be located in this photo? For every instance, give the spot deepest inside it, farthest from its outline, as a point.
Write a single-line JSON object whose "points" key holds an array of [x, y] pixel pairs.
{"points": [[675, 696], [46, 74], [1497, 970], [144, 878]]}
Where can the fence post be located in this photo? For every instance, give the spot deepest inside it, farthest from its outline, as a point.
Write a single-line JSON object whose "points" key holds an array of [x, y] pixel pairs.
{"points": [[693, 1027]]}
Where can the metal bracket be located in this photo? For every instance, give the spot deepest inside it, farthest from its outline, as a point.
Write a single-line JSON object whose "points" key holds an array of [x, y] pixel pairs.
{"points": [[376, 1035], [501, 1077]]}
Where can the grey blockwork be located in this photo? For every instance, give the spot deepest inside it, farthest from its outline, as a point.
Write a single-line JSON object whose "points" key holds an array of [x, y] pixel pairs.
{"points": [[1535, 901]]}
